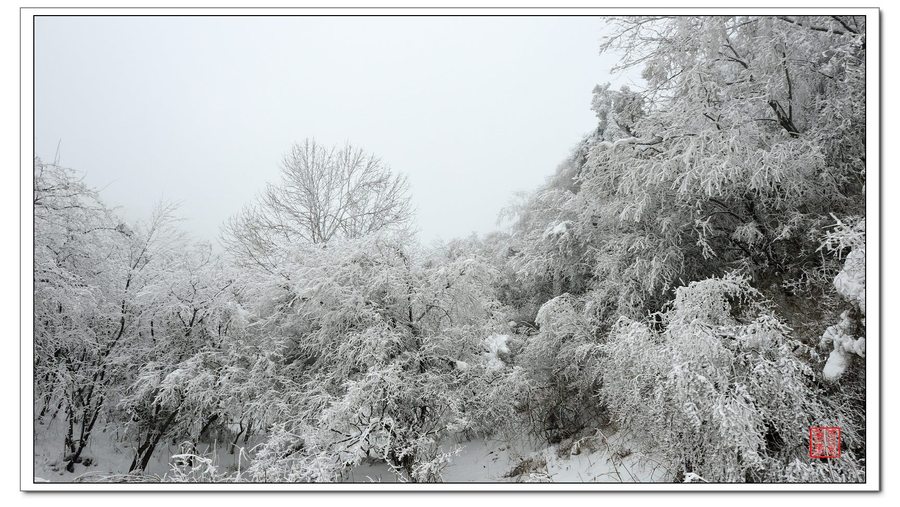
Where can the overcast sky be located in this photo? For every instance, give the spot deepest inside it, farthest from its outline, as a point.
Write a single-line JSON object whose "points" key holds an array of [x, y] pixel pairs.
{"points": [[200, 110]]}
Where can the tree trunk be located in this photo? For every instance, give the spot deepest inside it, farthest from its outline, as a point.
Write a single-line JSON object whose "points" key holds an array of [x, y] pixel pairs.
{"points": [[145, 450], [86, 427]]}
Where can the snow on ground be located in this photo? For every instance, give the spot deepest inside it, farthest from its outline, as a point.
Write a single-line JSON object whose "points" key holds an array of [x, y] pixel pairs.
{"points": [[107, 455], [589, 459]]}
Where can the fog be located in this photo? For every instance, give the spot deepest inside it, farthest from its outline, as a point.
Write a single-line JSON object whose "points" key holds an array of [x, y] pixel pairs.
{"points": [[199, 110]]}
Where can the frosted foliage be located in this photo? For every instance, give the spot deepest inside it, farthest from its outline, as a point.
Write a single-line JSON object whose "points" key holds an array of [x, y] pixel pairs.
{"points": [[324, 193], [851, 281], [710, 301], [847, 337], [719, 391], [559, 315], [381, 344], [750, 132], [561, 367], [557, 229], [548, 252]]}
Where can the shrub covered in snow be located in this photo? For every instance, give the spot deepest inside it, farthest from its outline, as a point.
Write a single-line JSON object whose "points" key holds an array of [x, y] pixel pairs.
{"points": [[847, 338], [382, 348], [561, 393], [717, 388]]}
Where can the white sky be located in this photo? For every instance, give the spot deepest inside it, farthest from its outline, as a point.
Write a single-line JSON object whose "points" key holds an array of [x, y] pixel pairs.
{"points": [[200, 110]]}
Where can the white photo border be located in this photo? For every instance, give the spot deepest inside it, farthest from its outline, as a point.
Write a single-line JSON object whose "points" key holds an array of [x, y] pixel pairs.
{"points": [[873, 250]]}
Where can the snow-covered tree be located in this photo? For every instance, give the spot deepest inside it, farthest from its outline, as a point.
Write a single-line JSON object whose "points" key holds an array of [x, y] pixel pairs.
{"points": [[375, 345], [324, 193], [188, 358], [749, 134], [718, 387], [91, 272]]}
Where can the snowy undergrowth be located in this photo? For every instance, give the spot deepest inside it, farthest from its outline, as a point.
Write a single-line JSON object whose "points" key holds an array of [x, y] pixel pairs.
{"points": [[847, 337], [107, 459], [717, 389], [590, 458]]}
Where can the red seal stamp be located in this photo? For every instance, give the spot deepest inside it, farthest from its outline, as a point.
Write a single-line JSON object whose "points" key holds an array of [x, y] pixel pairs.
{"points": [[824, 442]]}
